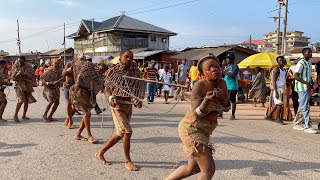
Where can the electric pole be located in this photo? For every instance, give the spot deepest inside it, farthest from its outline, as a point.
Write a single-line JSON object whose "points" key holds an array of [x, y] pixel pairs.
{"points": [[64, 43], [250, 42], [278, 28], [18, 40], [93, 48], [284, 33]]}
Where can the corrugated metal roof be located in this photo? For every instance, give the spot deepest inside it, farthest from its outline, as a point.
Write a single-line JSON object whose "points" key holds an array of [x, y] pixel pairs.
{"points": [[144, 54], [124, 22]]}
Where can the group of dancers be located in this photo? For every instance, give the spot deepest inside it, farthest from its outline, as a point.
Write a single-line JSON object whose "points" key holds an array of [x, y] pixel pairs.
{"points": [[82, 81]]}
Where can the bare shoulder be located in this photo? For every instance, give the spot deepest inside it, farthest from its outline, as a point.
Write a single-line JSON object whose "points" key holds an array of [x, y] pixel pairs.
{"points": [[198, 89], [222, 84]]}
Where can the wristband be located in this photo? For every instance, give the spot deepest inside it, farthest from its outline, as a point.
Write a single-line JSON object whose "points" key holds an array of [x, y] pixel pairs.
{"points": [[200, 113], [111, 98]]}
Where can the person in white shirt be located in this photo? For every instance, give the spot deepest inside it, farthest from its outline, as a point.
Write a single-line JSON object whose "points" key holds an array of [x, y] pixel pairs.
{"points": [[159, 86], [166, 78], [278, 81]]}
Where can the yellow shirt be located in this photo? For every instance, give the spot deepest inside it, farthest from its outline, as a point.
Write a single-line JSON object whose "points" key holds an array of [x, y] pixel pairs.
{"points": [[194, 73]]}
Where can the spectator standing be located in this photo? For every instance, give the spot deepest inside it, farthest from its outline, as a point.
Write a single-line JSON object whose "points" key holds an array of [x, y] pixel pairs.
{"points": [[194, 74], [182, 75], [159, 86], [173, 79], [231, 78], [151, 73], [303, 85], [259, 88]]}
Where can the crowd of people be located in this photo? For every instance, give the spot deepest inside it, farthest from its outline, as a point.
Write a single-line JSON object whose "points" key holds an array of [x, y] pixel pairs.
{"points": [[214, 90]]}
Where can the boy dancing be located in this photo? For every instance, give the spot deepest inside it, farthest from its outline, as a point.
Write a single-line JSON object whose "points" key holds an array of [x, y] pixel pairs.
{"points": [[122, 95]]}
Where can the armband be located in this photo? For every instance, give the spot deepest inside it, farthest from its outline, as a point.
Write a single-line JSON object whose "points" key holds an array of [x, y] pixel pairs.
{"points": [[200, 113], [111, 98]]}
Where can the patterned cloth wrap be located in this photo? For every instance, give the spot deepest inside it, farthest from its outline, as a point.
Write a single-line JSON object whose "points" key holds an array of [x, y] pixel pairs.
{"points": [[88, 83], [4, 78], [125, 87], [195, 131], [24, 83], [50, 92]]}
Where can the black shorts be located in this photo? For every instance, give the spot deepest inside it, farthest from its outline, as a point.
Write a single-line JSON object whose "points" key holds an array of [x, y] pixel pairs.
{"points": [[233, 95]]}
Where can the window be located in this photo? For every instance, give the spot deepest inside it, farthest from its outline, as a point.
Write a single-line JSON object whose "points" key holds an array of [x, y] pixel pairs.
{"points": [[153, 38], [164, 40]]}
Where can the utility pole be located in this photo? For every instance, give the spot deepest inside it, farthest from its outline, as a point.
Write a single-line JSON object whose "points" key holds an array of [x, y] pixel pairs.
{"points": [[64, 43], [278, 28], [250, 42], [18, 40], [93, 48], [284, 33]]}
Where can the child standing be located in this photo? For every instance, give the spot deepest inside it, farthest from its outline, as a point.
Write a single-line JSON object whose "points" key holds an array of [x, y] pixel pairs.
{"points": [[166, 78], [209, 97]]}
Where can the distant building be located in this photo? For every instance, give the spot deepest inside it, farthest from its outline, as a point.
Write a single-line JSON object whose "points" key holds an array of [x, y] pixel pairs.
{"points": [[257, 45], [221, 52], [117, 34], [294, 39], [3, 53]]}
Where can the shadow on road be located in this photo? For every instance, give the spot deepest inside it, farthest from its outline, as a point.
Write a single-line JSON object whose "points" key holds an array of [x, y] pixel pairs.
{"points": [[13, 149], [264, 167]]}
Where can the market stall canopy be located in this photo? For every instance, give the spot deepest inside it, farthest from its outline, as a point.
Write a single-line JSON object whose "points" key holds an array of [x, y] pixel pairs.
{"points": [[263, 60]]}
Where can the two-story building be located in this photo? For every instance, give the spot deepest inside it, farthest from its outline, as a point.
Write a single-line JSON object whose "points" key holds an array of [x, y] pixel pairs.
{"points": [[117, 34]]}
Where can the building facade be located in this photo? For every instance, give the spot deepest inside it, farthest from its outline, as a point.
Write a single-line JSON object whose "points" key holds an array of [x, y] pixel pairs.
{"points": [[257, 45], [117, 34], [294, 39]]}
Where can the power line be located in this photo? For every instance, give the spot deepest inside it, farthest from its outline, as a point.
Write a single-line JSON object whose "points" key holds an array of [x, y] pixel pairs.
{"points": [[166, 7]]}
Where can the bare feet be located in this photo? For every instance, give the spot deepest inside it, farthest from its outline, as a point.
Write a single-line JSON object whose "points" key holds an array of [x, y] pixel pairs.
{"points": [[25, 118], [80, 138], [45, 119], [16, 119], [102, 159], [66, 122], [130, 166], [92, 140]]}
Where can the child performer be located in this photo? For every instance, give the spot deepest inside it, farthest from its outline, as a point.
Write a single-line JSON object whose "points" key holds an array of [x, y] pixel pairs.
{"points": [[166, 78], [120, 93], [51, 80], [4, 81], [209, 97]]}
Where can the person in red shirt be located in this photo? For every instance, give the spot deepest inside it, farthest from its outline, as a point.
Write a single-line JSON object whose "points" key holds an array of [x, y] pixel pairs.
{"points": [[151, 73]]}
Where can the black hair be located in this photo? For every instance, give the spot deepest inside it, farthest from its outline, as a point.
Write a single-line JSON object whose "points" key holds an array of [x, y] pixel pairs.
{"points": [[280, 57], [231, 56], [3, 62], [22, 57], [205, 59], [259, 69], [125, 51], [306, 49]]}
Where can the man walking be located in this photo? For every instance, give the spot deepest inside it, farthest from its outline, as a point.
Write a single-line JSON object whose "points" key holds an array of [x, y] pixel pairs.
{"points": [[151, 73], [231, 78], [303, 84], [182, 77]]}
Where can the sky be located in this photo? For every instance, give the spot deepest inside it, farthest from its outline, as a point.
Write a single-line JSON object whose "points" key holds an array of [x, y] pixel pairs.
{"points": [[197, 22]]}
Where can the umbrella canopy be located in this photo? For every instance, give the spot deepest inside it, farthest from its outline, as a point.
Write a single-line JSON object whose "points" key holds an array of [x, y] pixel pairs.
{"points": [[263, 60]]}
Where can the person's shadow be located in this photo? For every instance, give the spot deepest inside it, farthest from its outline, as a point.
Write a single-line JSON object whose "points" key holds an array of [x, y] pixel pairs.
{"points": [[13, 149]]}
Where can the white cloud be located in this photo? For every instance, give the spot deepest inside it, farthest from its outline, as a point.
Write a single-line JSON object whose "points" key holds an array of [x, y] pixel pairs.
{"points": [[67, 3]]}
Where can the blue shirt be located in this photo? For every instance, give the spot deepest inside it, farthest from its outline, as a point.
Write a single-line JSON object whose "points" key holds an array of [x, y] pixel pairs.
{"points": [[232, 81]]}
